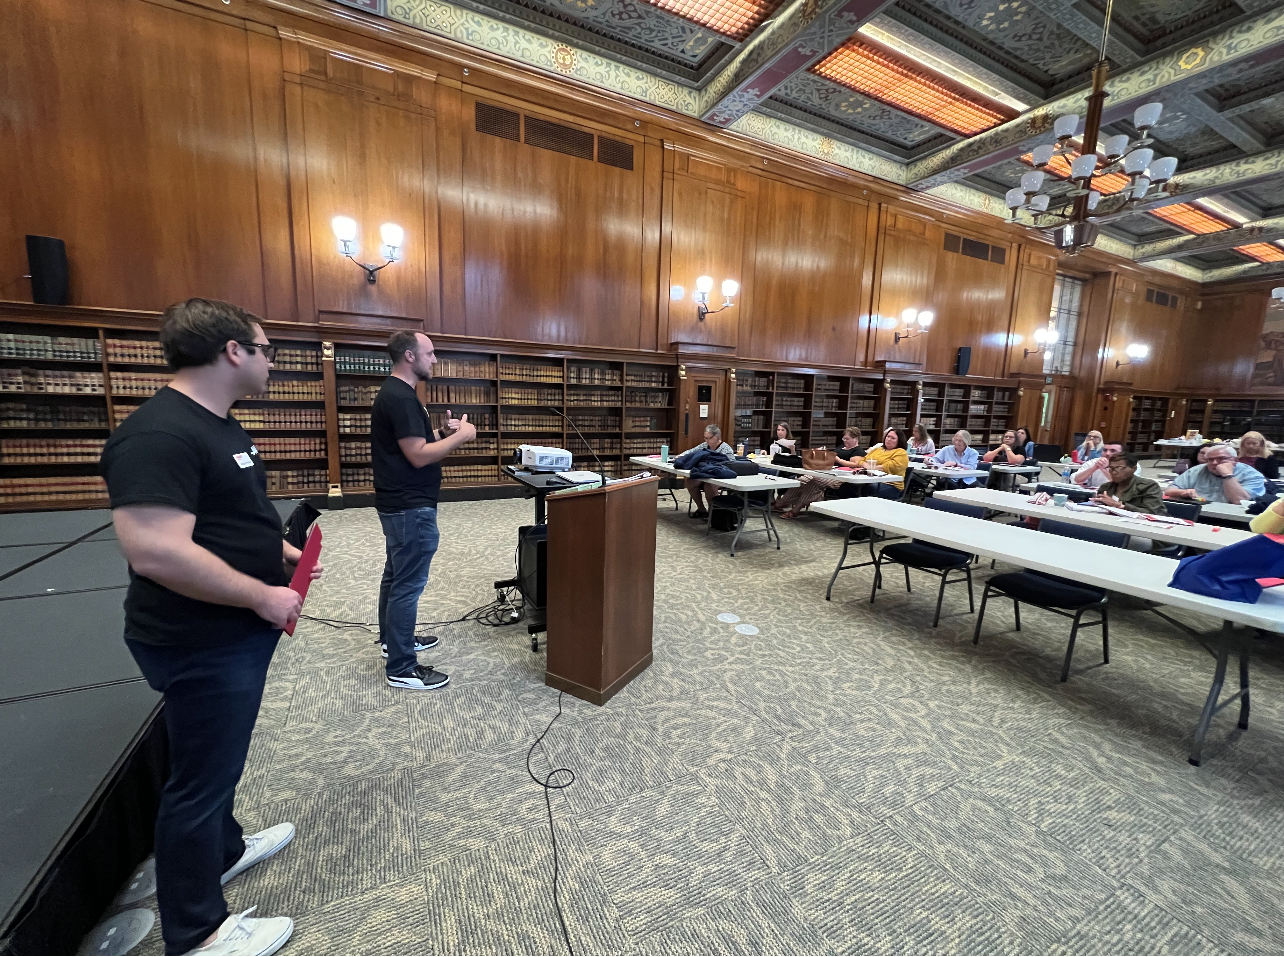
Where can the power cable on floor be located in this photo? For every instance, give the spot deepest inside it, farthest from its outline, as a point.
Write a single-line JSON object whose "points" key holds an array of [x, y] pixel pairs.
{"points": [[549, 787]]}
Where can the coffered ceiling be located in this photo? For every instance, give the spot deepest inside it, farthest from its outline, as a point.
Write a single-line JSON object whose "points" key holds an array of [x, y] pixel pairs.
{"points": [[941, 92]]}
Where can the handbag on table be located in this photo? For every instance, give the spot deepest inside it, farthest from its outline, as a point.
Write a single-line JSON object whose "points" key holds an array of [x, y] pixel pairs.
{"points": [[819, 460]]}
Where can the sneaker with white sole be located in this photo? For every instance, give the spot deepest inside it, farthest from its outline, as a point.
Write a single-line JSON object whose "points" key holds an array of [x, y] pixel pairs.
{"points": [[244, 936], [426, 643], [422, 678], [259, 847]]}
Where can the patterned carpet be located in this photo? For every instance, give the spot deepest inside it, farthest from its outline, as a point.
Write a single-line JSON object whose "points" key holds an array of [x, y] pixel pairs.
{"points": [[848, 780]]}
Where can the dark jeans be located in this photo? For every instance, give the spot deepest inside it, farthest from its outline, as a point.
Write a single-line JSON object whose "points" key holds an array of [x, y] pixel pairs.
{"points": [[212, 698], [410, 538]]}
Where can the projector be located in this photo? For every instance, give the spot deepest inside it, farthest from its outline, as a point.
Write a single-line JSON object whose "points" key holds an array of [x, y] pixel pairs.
{"points": [[544, 458]]}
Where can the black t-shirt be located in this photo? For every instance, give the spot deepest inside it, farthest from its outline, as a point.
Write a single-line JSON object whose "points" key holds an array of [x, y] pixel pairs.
{"points": [[397, 414], [173, 451], [848, 454]]}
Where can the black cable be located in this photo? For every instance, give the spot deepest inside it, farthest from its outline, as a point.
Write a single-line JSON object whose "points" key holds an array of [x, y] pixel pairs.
{"points": [[505, 610], [549, 787]]}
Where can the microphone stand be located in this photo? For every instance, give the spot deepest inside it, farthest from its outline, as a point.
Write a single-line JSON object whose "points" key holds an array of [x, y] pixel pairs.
{"points": [[601, 468]]}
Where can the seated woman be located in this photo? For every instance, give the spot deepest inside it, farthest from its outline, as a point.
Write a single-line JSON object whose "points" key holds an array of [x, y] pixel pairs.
{"points": [[695, 487], [920, 442], [1192, 457], [784, 440], [1024, 443], [889, 457], [813, 488], [1270, 521], [1128, 490], [1089, 449], [1254, 453], [959, 452], [1007, 452]]}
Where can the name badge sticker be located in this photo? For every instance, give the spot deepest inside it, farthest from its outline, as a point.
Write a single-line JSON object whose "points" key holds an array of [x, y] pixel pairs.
{"points": [[254, 450], [243, 460]]}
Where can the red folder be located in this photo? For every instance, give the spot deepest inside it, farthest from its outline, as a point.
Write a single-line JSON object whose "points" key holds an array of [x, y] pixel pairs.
{"points": [[303, 571]]}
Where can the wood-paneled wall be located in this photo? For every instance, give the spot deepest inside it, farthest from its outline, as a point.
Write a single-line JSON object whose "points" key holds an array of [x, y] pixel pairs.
{"points": [[183, 147]]}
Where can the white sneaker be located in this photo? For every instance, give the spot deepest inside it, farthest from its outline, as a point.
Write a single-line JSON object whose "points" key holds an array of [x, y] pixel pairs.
{"points": [[427, 643], [259, 847], [244, 936]]}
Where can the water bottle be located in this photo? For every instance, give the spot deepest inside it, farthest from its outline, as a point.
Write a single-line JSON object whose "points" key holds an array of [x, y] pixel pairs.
{"points": [[1065, 473], [664, 454]]}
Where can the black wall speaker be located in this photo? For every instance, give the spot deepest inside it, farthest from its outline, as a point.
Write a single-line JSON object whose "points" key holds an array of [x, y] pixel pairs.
{"points": [[47, 263], [964, 361]]}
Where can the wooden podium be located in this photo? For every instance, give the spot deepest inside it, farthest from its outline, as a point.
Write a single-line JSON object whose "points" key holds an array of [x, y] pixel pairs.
{"points": [[601, 588]]}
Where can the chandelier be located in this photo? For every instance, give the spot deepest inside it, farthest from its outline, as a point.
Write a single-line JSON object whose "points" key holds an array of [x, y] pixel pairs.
{"points": [[1071, 210]]}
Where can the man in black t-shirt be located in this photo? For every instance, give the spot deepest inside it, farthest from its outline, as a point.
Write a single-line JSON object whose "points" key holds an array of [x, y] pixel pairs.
{"points": [[406, 453], [205, 608]]}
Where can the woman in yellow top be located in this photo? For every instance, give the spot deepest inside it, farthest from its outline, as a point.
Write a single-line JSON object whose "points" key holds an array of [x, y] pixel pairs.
{"points": [[890, 457], [1271, 521]]}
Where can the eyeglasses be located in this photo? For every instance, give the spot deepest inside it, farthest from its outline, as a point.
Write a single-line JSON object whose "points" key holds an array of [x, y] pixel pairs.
{"points": [[1118, 468], [269, 350]]}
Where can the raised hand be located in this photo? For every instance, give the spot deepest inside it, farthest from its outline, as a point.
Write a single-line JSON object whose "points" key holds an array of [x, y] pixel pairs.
{"points": [[465, 428]]}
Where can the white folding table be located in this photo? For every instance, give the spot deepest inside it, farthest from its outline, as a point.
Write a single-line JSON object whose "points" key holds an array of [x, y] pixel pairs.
{"points": [[1193, 536], [745, 485], [1131, 573], [1225, 512]]}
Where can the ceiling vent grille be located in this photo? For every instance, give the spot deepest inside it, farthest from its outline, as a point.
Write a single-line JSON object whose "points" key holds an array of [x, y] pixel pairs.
{"points": [[497, 121], [558, 138], [614, 153], [1161, 298], [975, 249]]}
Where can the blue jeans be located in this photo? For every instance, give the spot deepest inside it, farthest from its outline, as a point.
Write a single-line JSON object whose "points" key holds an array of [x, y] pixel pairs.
{"points": [[212, 697], [411, 540]]}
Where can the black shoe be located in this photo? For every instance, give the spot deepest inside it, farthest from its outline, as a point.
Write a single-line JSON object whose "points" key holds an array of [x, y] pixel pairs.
{"points": [[426, 643], [421, 679], [700, 513]]}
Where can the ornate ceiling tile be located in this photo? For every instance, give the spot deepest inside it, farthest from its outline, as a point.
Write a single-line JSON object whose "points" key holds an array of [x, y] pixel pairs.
{"points": [[1157, 21], [772, 130], [1268, 196], [632, 22], [1022, 29], [817, 94]]}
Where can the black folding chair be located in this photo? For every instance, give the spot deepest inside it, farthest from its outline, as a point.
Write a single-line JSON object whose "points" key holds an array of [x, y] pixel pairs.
{"points": [[1069, 599], [932, 559]]}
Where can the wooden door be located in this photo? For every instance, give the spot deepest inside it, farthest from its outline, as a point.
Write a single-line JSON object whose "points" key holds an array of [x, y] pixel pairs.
{"points": [[702, 401]]}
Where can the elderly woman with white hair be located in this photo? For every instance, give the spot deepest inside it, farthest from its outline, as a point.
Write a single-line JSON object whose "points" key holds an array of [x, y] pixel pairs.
{"points": [[959, 452]]}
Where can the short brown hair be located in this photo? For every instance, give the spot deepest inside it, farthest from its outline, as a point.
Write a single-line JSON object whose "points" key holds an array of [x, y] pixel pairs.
{"points": [[193, 332], [1131, 458], [854, 433], [401, 343]]}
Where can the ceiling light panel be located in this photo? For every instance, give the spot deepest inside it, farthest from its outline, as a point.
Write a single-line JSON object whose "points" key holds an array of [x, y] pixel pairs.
{"points": [[732, 18], [1262, 252], [881, 76], [1190, 218]]}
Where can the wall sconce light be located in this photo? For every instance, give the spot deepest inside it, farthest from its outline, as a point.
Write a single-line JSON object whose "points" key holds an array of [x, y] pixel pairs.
{"points": [[1278, 293], [345, 231], [1046, 338], [916, 323], [704, 286], [1136, 352]]}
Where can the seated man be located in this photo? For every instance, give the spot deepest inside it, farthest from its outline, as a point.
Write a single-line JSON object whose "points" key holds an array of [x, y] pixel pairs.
{"points": [[1220, 479], [695, 487], [1128, 490], [1096, 472]]}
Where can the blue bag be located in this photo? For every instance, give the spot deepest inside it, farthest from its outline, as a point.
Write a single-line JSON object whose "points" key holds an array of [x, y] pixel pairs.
{"points": [[1232, 573]]}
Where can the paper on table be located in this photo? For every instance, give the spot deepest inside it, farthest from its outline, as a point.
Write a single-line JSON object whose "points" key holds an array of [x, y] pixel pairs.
{"points": [[302, 579]]}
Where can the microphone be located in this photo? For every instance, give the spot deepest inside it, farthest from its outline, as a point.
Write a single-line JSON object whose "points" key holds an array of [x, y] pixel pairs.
{"points": [[600, 467]]}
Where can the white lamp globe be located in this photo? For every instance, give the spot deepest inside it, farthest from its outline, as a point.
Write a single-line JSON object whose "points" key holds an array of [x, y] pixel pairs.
{"points": [[909, 316], [729, 288], [1015, 197], [704, 284], [1144, 117], [1162, 170], [1083, 166], [1116, 146], [676, 293], [925, 318], [1042, 155], [1031, 181], [1137, 161], [1040, 203], [1066, 125]]}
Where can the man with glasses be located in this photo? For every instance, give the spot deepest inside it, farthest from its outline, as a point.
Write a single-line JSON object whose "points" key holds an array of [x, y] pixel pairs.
{"points": [[1220, 479], [206, 604], [406, 452], [1097, 472]]}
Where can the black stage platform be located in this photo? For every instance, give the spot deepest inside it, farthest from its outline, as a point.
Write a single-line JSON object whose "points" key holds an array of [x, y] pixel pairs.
{"points": [[84, 756]]}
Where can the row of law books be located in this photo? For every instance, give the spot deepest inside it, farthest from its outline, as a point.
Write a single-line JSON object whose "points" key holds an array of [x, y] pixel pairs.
{"points": [[289, 447], [50, 451], [51, 380], [21, 345], [33, 415], [52, 490]]}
